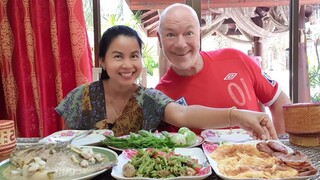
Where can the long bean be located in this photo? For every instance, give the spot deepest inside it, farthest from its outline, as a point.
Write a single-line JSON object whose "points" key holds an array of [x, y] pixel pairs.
{"points": [[144, 139]]}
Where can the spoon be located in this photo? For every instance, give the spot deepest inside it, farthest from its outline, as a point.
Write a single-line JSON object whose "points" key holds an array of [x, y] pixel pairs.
{"points": [[80, 135]]}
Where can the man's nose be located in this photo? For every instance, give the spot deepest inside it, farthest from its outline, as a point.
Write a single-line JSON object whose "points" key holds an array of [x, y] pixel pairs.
{"points": [[181, 41]]}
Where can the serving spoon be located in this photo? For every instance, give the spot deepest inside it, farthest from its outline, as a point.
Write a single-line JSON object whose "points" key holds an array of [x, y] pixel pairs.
{"points": [[60, 143]]}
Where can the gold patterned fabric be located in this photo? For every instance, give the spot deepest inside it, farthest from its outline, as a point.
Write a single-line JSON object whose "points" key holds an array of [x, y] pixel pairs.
{"points": [[129, 121], [44, 53]]}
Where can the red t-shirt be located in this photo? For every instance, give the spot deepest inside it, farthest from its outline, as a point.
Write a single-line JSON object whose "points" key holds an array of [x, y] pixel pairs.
{"points": [[228, 78]]}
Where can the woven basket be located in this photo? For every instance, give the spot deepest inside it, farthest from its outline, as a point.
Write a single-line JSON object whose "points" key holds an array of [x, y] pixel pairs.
{"points": [[7, 138], [302, 118]]}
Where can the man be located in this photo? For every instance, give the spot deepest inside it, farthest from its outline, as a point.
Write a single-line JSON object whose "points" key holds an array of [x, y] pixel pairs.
{"points": [[221, 78]]}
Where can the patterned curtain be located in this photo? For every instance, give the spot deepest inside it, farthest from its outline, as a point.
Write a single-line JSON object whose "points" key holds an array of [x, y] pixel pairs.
{"points": [[44, 53]]}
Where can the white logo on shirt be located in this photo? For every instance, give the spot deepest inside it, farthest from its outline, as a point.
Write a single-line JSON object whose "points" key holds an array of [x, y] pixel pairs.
{"points": [[230, 76]]}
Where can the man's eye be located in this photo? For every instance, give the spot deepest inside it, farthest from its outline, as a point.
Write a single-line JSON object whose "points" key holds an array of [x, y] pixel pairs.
{"points": [[117, 56], [170, 35], [190, 33]]}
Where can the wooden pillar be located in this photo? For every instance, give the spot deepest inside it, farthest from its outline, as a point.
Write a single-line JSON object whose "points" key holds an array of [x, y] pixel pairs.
{"points": [[293, 50], [257, 46], [303, 77], [196, 5], [298, 64], [96, 30]]}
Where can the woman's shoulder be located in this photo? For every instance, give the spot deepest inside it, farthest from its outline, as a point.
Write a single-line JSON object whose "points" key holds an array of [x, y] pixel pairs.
{"points": [[78, 91], [149, 90], [157, 95], [87, 85]]}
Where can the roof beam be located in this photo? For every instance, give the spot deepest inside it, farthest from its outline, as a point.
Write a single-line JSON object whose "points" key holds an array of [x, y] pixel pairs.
{"points": [[151, 4], [250, 3], [151, 20]]}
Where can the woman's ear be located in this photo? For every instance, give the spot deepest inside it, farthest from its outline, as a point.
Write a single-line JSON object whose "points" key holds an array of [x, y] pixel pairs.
{"points": [[101, 64]]}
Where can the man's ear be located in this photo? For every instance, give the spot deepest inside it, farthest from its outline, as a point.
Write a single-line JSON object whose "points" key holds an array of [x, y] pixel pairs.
{"points": [[159, 40]]}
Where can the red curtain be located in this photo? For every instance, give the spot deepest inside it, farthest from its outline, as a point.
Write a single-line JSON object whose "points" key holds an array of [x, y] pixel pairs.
{"points": [[44, 53]]}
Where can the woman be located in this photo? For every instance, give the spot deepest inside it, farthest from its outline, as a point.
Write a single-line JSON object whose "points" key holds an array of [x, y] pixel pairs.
{"points": [[116, 102]]}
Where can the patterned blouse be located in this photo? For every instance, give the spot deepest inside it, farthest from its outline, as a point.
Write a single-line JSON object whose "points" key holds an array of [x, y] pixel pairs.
{"points": [[84, 108]]}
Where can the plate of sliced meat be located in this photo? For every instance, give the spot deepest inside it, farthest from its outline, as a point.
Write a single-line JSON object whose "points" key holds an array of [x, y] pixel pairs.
{"points": [[253, 160]]}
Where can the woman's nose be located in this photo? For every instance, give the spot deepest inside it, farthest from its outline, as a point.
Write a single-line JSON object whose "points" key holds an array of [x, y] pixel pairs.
{"points": [[127, 63]]}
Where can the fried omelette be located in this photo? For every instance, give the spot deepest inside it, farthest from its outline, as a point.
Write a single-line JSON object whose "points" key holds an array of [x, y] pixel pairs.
{"points": [[245, 161]]}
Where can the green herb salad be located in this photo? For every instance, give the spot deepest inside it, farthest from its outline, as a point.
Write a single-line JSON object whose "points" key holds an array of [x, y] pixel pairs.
{"points": [[161, 163]]}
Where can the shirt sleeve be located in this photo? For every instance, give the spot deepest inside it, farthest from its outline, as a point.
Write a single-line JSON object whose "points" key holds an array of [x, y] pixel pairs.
{"points": [[154, 103], [267, 89], [70, 107]]}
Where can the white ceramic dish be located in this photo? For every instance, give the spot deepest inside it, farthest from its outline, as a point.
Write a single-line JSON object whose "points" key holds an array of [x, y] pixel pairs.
{"points": [[92, 139], [198, 142], [208, 150], [220, 135], [112, 156], [193, 152]]}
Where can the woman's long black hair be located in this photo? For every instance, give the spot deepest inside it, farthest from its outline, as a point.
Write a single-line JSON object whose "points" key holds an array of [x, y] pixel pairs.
{"points": [[108, 36]]}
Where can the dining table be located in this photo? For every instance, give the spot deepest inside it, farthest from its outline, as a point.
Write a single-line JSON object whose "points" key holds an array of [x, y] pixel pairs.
{"points": [[313, 154]]}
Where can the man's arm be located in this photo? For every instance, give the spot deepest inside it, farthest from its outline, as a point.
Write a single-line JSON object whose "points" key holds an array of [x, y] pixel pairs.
{"points": [[277, 112]]}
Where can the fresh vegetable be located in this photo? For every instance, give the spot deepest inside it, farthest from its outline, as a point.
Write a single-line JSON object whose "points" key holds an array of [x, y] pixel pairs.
{"points": [[178, 139], [191, 137], [140, 140], [165, 133], [183, 130], [145, 139]]}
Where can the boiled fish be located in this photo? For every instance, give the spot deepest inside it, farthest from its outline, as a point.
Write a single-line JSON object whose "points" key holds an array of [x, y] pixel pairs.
{"points": [[48, 161]]}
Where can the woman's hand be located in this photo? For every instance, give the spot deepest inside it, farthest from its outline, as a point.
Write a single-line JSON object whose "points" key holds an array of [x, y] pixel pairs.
{"points": [[259, 123]]}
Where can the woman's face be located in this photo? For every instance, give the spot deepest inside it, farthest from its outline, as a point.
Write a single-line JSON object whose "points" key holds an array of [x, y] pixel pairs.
{"points": [[123, 60]]}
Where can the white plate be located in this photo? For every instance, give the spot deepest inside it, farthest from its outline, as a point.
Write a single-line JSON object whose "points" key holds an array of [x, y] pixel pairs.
{"points": [[220, 135], [112, 156], [198, 142], [208, 150], [92, 139], [196, 153]]}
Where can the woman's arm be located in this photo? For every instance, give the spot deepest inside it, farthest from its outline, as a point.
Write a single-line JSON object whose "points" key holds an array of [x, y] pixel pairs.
{"points": [[196, 116]]}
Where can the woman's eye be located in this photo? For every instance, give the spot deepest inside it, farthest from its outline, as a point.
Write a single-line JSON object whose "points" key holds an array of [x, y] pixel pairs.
{"points": [[135, 56], [117, 56]]}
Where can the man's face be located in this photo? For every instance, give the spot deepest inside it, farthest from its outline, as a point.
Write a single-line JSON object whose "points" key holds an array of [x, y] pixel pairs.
{"points": [[179, 38]]}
